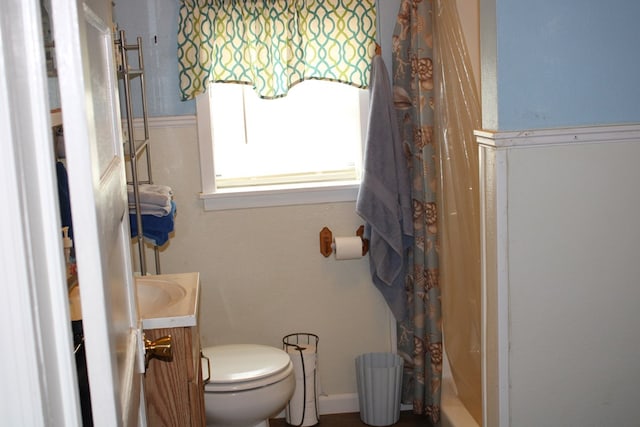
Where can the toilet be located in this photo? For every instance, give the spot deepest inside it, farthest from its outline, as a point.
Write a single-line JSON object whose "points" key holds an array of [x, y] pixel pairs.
{"points": [[248, 384]]}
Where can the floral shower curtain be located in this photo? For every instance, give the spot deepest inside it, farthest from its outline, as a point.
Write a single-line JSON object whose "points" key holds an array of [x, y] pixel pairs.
{"points": [[438, 109], [420, 333]]}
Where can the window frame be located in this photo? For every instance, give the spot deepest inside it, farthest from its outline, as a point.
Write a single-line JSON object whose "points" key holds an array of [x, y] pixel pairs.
{"points": [[269, 195]]}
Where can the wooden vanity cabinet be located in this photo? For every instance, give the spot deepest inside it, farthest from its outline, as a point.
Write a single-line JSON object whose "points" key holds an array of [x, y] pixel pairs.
{"points": [[174, 391]]}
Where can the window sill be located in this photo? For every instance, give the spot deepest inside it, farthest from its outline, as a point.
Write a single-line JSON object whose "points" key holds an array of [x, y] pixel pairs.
{"points": [[289, 195]]}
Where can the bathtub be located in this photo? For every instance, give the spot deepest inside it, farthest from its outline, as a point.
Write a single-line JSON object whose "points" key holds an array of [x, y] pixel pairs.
{"points": [[453, 411]]}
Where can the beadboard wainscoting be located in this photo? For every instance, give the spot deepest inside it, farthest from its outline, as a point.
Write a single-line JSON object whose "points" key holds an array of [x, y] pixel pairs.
{"points": [[262, 274], [560, 265]]}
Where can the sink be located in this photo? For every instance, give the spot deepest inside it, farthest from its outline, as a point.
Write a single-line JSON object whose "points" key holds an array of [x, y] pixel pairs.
{"points": [[156, 295], [168, 300], [164, 300]]}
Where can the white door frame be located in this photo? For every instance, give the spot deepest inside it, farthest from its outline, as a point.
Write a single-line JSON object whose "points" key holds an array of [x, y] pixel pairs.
{"points": [[37, 365], [97, 186]]}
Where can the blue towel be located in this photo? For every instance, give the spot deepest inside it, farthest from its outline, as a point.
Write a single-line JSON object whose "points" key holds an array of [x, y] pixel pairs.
{"points": [[154, 228], [384, 198]]}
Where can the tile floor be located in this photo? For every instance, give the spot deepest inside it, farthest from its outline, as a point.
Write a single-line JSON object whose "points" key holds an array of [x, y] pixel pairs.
{"points": [[407, 419]]}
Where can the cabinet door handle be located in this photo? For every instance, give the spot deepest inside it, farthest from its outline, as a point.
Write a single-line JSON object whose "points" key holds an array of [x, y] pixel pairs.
{"points": [[158, 349], [206, 380]]}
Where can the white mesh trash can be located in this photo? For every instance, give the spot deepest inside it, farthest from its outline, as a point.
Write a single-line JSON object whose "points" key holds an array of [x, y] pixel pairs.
{"points": [[379, 377], [302, 409]]}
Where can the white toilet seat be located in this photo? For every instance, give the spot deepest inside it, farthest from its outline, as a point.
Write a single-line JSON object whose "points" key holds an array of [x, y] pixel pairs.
{"points": [[239, 367]]}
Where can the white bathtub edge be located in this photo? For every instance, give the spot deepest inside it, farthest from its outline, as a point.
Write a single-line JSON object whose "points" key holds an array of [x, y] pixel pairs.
{"points": [[453, 411]]}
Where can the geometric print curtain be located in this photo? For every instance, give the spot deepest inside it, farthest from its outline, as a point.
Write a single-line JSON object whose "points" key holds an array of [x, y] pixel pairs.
{"points": [[274, 44]]}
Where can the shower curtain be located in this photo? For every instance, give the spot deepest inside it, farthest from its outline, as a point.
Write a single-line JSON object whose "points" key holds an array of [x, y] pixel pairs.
{"points": [[457, 116], [438, 110], [420, 332]]}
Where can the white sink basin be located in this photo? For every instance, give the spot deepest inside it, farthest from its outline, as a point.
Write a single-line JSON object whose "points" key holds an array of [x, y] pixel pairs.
{"points": [[166, 300], [156, 295]]}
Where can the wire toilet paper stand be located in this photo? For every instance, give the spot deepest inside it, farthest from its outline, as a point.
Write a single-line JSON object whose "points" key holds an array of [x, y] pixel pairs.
{"points": [[303, 347]]}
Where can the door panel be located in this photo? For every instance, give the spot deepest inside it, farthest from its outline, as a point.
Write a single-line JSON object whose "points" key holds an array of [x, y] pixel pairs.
{"points": [[97, 183]]}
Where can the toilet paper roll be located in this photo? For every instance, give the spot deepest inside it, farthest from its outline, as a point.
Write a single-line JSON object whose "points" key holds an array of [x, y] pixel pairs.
{"points": [[348, 247], [302, 407]]}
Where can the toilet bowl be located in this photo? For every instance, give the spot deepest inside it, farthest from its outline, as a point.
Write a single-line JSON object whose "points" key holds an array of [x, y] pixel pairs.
{"points": [[248, 384]]}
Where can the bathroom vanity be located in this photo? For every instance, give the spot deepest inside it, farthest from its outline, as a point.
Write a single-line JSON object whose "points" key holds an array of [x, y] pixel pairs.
{"points": [[168, 306], [174, 390]]}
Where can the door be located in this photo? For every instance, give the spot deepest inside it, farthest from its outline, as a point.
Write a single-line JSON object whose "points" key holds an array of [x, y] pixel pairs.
{"points": [[97, 184]]}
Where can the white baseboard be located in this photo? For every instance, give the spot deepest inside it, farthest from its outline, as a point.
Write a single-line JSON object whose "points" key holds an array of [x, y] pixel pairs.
{"points": [[341, 404], [335, 404], [338, 403]]}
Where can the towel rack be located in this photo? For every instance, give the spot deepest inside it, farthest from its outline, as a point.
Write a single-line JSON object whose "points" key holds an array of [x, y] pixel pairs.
{"points": [[135, 148]]}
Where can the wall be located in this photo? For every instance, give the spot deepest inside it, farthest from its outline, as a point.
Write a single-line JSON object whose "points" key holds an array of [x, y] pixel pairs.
{"points": [[156, 21], [573, 273], [564, 233], [261, 271], [560, 270], [553, 64]]}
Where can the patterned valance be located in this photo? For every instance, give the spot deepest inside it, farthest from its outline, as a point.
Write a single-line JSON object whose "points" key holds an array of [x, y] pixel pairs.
{"points": [[274, 44]]}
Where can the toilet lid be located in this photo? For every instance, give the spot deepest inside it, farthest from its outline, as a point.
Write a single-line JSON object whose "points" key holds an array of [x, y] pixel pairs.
{"points": [[243, 366]]}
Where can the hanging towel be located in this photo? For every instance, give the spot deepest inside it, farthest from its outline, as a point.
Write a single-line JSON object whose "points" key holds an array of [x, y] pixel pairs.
{"points": [[384, 197]]}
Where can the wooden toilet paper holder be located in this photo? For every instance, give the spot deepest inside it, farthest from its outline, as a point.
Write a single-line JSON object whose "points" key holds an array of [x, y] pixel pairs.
{"points": [[326, 241]]}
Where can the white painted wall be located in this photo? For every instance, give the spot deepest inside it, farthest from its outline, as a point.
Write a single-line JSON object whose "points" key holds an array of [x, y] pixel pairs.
{"points": [[562, 277], [573, 272], [261, 270]]}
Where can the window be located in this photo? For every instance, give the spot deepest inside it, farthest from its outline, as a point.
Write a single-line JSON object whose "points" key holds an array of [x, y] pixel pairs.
{"points": [[302, 148]]}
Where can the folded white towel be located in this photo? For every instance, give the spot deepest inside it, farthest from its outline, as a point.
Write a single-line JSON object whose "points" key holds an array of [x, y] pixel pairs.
{"points": [[152, 194], [151, 209]]}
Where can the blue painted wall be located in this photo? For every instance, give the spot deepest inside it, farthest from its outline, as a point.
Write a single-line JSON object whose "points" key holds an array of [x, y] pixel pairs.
{"points": [[557, 63], [157, 22], [545, 63]]}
